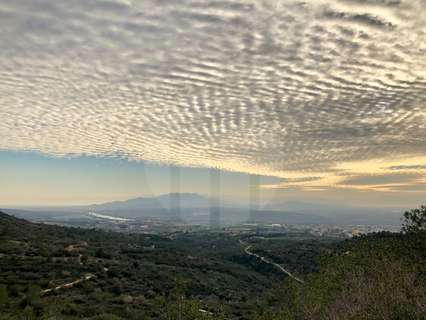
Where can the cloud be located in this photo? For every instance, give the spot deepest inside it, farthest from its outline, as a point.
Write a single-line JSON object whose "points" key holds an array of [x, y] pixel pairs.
{"points": [[407, 167], [287, 183], [405, 182], [382, 179], [280, 88]]}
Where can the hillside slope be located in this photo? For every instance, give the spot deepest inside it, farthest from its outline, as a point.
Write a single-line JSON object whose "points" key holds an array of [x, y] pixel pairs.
{"points": [[379, 276], [92, 272], [49, 272]]}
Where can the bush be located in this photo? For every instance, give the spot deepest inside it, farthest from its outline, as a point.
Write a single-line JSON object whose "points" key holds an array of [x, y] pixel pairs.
{"points": [[415, 220]]}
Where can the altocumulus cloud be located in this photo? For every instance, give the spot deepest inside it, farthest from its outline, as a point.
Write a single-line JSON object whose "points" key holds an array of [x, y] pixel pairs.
{"points": [[310, 91]]}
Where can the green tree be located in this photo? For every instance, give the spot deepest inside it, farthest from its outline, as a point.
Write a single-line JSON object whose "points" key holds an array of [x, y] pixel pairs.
{"points": [[177, 306], [29, 314], [33, 295], [4, 296], [415, 220], [106, 316]]}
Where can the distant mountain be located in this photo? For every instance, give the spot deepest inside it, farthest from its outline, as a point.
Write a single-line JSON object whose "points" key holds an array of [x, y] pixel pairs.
{"points": [[343, 214], [190, 207], [265, 216], [194, 208], [166, 201]]}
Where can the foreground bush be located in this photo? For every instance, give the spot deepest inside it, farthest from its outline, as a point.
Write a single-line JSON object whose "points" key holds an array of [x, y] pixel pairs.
{"points": [[380, 276]]}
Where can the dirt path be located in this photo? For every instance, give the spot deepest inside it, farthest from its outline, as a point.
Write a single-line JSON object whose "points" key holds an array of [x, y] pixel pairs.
{"points": [[68, 285], [266, 260]]}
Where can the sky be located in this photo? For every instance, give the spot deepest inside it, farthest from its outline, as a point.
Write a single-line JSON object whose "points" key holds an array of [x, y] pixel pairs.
{"points": [[322, 100]]}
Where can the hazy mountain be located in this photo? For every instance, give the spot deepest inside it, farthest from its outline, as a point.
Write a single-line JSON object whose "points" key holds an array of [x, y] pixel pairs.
{"points": [[172, 205], [166, 201], [271, 216], [343, 214], [194, 208]]}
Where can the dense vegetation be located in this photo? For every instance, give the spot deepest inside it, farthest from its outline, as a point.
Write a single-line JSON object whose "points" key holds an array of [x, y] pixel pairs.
{"points": [[377, 276], [105, 275], [129, 275]]}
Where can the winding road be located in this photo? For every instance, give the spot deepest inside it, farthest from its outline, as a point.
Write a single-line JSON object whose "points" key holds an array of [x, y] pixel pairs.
{"points": [[266, 260]]}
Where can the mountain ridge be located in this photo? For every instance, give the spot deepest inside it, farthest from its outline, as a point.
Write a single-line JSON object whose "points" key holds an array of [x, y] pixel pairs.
{"points": [[168, 200]]}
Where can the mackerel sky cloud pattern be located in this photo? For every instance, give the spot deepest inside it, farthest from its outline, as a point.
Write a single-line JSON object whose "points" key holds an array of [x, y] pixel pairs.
{"points": [[319, 93]]}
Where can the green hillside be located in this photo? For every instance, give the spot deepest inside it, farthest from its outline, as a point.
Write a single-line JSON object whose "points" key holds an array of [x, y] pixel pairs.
{"points": [[52, 272], [378, 276], [129, 275]]}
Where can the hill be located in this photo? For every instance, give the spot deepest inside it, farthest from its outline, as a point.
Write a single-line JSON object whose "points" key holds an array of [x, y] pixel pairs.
{"points": [[49, 272], [377, 276], [342, 214], [126, 275], [166, 201], [191, 208]]}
